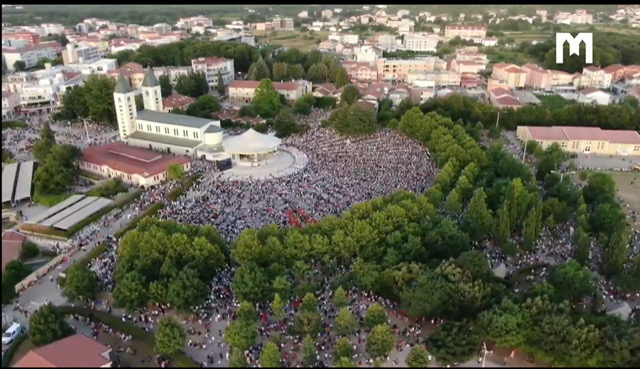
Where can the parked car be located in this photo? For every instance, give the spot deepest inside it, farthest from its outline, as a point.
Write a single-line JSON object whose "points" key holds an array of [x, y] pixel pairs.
{"points": [[12, 333]]}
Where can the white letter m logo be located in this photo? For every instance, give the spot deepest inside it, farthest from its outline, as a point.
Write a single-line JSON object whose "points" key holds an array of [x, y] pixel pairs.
{"points": [[574, 46]]}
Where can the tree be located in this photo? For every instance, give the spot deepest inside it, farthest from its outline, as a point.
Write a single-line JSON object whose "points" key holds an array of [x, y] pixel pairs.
{"points": [[418, 358], [353, 120], [342, 78], [221, 87], [48, 325], [454, 342], [277, 306], [280, 71], [166, 89], [270, 356], [204, 107], [285, 124], [241, 335], [344, 349], [308, 352], [304, 104], [350, 94], [453, 205], [376, 315], [259, 70], [600, 188], [507, 324], [380, 341], [345, 322], [405, 105], [14, 272], [572, 281], [170, 337], [29, 250], [309, 304], [318, 73], [192, 84], [295, 71], [81, 283], [187, 290], [43, 146], [477, 220], [266, 99], [340, 298], [345, 362], [237, 359], [130, 292], [58, 171], [175, 172], [19, 66]]}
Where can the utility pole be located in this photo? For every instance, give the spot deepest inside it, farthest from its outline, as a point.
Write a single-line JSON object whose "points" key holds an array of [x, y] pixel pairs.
{"points": [[498, 120], [86, 130], [524, 151], [561, 174]]}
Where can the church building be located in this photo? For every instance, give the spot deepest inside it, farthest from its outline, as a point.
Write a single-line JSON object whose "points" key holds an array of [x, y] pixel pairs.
{"points": [[154, 129]]}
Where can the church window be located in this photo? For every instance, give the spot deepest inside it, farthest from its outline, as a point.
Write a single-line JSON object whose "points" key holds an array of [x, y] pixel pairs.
{"points": [[166, 130], [195, 135], [185, 133], [140, 126], [149, 127], [157, 129], [175, 132]]}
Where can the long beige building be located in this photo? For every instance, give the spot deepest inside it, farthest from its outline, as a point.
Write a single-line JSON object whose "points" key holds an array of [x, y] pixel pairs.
{"points": [[587, 140], [243, 91], [398, 69], [465, 32]]}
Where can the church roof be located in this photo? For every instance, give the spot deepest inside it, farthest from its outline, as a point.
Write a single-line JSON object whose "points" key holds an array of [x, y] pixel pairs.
{"points": [[173, 119], [122, 86], [150, 79]]}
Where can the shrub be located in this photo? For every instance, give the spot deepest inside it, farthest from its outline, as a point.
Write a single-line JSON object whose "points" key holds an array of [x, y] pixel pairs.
{"points": [[29, 250]]}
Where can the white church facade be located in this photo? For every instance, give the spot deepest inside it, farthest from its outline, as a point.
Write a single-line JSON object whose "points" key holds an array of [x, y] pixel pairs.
{"points": [[154, 129]]}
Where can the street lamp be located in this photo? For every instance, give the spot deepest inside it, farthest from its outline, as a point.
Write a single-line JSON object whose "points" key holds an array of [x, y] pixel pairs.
{"points": [[484, 355], [561, 174], [86, 129]]}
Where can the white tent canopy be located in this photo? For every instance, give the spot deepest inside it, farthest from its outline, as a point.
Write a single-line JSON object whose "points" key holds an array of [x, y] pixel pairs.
{"points": [[500, 271], [622, 311], [251, 142]]}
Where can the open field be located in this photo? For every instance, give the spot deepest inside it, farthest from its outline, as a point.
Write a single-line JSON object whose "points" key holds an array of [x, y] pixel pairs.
{"points": [[303, 41]]}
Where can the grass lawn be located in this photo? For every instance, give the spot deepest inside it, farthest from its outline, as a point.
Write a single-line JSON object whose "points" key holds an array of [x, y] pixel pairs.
{"points": [[50, 200], [13, 124], [302, 41]]}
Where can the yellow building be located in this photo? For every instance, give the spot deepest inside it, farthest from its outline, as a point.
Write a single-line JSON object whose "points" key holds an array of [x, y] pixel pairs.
{"points": [[510, 73], [587, 140]]}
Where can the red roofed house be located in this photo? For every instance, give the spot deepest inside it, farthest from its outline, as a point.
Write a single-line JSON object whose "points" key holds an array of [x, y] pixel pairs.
{"points": [[616, 71], [133, 165], [511, 73], [11, 246], [177, 101], [243, 91], [77, 351], [324, 90], [584, 139], [503, 98], [537, 77]]}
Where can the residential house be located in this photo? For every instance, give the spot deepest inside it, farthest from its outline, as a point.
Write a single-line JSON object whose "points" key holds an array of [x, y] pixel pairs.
{"points": [[591, 95], [174, 101], [76, 351], [511, 73], [503, 98], [537, 77]]}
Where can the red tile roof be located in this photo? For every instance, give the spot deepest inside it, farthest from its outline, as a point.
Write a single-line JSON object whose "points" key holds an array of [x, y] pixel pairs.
{"points": [[11, 246], [592, 68], [565, 133], [77, 351], [177, 100], [131, 160], [508, 101]]}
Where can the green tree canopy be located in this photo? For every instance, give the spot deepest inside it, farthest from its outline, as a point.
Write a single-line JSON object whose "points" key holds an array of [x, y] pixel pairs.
{"points": [[170, 337], [47, 325], [350, 94], [345, 322], [266, 99], [176, 172], [380, 341], [270, 356], [454, 342], [81, 283]]}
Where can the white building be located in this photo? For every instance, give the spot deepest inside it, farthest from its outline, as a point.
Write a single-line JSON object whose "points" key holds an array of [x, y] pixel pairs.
{"points": [[421, 42], [162, 28], [303, 14], [211, 66], [591, 95], [10, 104], [345, 38], [102, 66], [30, 55], [326, 13], [154, 129], [402, 13], [188, 23]]}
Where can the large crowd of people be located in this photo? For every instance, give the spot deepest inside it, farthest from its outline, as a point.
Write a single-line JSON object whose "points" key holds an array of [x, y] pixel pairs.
{"points": [[341, 172]]}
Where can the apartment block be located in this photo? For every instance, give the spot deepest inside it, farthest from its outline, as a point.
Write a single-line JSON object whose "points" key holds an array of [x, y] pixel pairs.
{"points": [[282, 24], [31, 38], [537, 78], [74, 54], [30, 55], [244, 91], [345, 38], [511, 73], [421, 42], [188, 23], [466, 32], [597, 77], [467, 66], [398, 69], [434, 79], [361, 72], [211, 66]]}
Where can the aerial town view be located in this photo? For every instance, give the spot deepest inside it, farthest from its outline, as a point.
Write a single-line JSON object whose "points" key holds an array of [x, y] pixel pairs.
{"points": [[321, 186]]}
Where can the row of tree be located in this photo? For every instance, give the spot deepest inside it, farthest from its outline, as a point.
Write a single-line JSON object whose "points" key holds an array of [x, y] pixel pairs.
{"points": [[57, 167]]}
